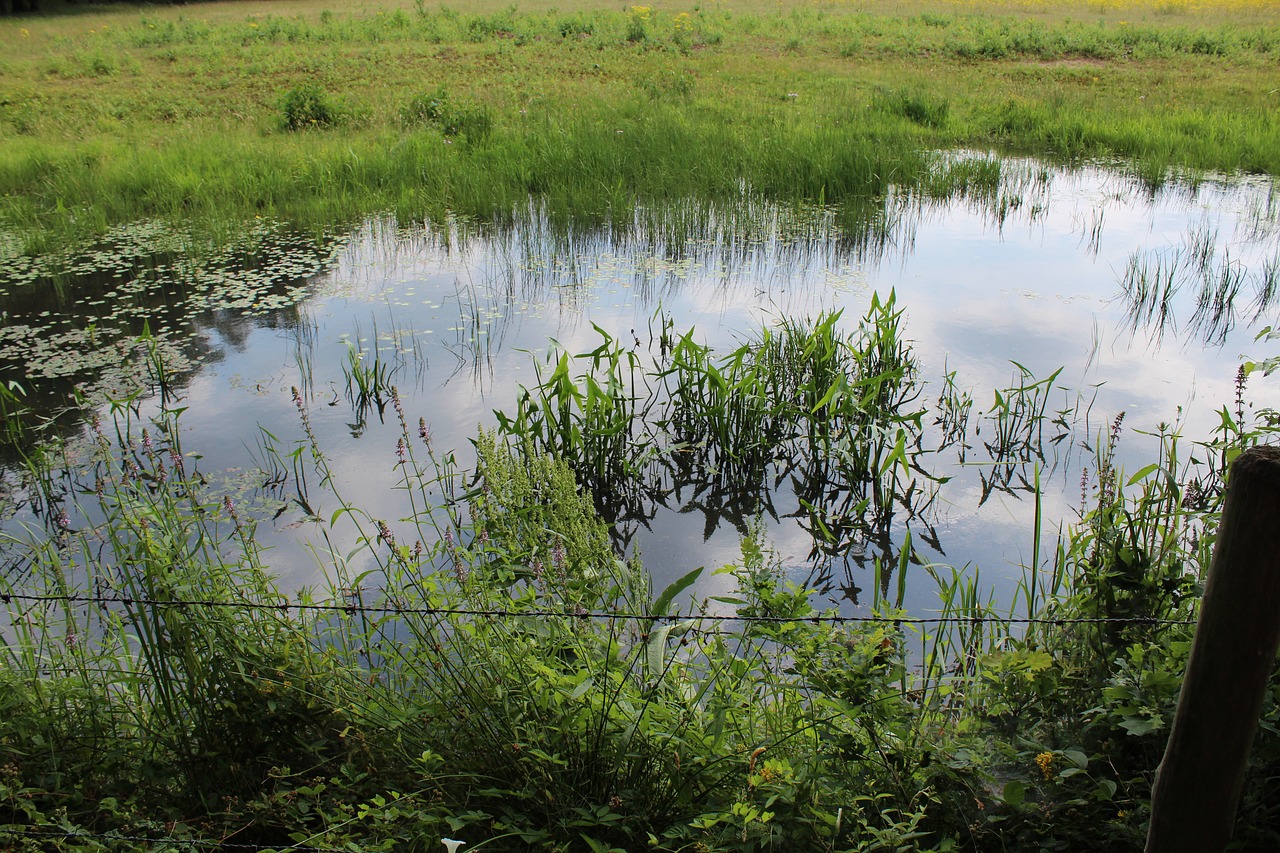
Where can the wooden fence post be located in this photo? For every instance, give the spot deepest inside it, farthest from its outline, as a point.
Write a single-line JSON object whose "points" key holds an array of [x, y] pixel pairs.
{"points": [[1197, 788]]}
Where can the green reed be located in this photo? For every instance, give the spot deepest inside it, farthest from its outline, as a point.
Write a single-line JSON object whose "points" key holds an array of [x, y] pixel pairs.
{"points": [[1152, 283], [833, 411], [368, 380]]}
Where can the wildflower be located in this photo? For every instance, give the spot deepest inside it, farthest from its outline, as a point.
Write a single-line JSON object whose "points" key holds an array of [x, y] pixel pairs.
{"points": [[64, 522], [1242, 378], [146, 441], [452, 844], [751, 763], [26, 33], [424, 433], [395, 401], [401, 452], [385, 534], [1045, 762], [1115, 428]]}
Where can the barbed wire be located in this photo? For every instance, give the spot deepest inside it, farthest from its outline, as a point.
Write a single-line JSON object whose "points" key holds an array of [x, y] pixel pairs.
{"points": [[581, 614]]}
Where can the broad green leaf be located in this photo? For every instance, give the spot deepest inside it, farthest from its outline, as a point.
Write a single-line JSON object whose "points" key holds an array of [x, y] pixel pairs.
{"points": [[668, 595]]}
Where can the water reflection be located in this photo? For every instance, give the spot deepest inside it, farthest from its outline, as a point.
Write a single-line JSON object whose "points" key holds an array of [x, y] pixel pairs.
{"points": [[1025, 309]]}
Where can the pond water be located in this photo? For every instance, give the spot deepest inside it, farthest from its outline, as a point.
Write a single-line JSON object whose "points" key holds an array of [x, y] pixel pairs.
{"points": [[1133, 299]]}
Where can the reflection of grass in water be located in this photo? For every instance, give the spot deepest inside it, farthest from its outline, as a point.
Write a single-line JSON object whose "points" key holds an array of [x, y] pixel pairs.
{"points": [[1152, 282]]}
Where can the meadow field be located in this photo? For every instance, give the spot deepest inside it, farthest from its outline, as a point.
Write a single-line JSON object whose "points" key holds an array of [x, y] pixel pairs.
{"points": [[482, 664], [217, 111]]}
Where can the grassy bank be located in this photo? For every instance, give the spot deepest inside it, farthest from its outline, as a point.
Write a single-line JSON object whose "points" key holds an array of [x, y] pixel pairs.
{"points": [[484, 668], [226, 110]]}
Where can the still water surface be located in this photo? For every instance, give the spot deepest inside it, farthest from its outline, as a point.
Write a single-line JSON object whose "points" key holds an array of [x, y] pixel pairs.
{"points": [[1083, 269]]}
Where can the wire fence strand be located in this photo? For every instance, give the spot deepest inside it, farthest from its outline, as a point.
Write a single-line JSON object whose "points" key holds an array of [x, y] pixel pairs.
{"points": [[392, 609]]}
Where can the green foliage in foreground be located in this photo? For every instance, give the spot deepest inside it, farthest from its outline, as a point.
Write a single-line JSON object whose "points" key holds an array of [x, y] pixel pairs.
{"points": [[487, 669], [118, 117]]}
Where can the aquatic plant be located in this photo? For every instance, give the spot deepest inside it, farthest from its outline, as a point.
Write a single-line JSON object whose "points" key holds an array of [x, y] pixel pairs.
{"points": [[485, 668], [368, 382]]}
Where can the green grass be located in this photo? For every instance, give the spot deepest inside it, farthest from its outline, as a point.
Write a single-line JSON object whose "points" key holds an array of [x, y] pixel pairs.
{"points": [[121, 114], [593, 713]]}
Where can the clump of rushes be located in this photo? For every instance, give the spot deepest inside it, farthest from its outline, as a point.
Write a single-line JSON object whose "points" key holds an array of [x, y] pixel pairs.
{"points": [[834, 412], [308, 106]]}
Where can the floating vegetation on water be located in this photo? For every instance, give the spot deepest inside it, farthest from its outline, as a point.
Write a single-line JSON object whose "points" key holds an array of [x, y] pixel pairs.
{"points": [[72, 318]]}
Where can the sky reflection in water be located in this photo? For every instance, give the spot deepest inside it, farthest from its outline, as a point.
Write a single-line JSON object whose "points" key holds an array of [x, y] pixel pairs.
{"points": [[1039, 278]]}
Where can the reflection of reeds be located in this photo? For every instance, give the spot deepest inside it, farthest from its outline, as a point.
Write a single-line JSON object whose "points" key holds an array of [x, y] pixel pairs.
{"points": [[1016, 425], [829, 412], [368, 380], [1151, 284]]}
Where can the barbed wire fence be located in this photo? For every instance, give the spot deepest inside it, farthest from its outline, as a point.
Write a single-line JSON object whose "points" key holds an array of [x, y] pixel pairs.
{"points": [[52, 834], [286, 606]]}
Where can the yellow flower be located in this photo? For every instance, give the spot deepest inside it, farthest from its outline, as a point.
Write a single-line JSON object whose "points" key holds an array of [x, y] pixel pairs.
{"points": [[1045, 762], [26, 33]]}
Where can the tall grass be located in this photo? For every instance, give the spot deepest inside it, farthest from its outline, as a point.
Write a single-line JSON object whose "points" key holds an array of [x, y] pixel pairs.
{"points": [[485, 667], [504, 679], [474, 111]]}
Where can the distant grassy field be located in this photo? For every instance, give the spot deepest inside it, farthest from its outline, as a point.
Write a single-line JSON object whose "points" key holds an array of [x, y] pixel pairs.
{"points": [[219, 111]]}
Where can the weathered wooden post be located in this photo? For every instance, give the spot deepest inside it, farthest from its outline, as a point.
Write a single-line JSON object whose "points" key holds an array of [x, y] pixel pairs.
{"points": [[1197, 788]]}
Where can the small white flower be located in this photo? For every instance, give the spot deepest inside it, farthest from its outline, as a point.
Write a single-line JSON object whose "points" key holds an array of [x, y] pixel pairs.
{"points": [[451, 844]]}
